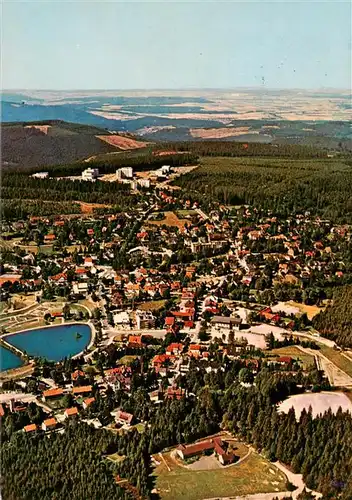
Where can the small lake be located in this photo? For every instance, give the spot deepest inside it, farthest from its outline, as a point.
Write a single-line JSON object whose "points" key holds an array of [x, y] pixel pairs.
{"points": [[8, 359], [53, 343]]}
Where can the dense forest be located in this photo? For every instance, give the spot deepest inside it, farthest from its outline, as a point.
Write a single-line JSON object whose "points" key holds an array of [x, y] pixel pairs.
{"points": [[140, 160], [73, 463], [322, 187], [22, 208], [23, 195], [241, 149], [335, 321]]}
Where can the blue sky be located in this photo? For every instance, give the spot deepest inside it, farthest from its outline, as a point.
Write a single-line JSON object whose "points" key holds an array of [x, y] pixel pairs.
{"points": [[165, 44]]}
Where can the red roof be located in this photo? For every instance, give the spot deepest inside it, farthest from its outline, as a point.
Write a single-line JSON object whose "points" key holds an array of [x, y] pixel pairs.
{"points": [[82, 389], [71, 411], [30, 428], [284, 359], [195, 347], [135, 339], [174, 347], [76, 374], [175, 393], [50, 422], [2, 411], [89, 401], [124, 416], [169, 320], [189, 324], [51, 393], [195, 449], [80, 270]]}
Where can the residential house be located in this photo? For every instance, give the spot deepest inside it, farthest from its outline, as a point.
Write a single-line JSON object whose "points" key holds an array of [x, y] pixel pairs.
{"points": [[87, 402], [49, 424], [223, 325], [144, 320], [30, 428], [173, 393], [174, 349], [71, 412], [84, 389], [216, 445], [124, 418], [53, 393]]}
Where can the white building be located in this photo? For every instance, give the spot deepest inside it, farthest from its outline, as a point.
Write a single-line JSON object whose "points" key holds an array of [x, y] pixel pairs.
{"points": [[144, 320], [164, 171], [144, 183], [124, 173], [223, 325], [41, 175], [122, 319], [90, 174]]}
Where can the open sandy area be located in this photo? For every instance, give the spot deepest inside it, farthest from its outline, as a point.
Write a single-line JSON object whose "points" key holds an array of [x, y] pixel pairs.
{"points": [[320, 402], [123, 143], [218, 133]]}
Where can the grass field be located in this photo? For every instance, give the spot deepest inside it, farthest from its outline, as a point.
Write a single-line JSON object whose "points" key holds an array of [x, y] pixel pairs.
{"points": [[253, 475], [310, 310], [338, 359], [127, 360], [153, 305], [27, 325], [170, 219], [305, 359]]}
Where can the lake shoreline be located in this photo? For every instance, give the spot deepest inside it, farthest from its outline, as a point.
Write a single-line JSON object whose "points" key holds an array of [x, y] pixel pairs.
{"points": [[6, 340]]}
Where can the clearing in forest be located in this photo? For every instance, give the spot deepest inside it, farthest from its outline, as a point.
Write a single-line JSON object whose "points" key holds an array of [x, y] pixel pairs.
{"points": [[253, 475], [170, 219]]}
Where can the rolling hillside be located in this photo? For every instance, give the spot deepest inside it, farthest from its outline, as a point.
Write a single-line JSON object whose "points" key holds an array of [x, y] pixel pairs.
{"points": [[54, 143]]}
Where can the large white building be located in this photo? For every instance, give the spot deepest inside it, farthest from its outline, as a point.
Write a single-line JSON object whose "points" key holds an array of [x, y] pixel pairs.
{"points": [[90, 174], [164, 171], [224, 325], [144, 320], [41, 175], [124, 173]]}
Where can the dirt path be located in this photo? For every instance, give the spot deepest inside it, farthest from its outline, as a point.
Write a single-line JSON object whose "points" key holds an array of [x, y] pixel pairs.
{"points": [[163, 459]]}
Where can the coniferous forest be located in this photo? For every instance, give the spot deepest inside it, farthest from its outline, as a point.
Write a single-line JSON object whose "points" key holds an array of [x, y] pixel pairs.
{"points": [[335, 321], [286, 186], [73, 463]]}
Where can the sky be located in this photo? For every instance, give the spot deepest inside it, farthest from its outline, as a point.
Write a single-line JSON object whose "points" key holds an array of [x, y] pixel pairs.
{"points": [[170, 45]]}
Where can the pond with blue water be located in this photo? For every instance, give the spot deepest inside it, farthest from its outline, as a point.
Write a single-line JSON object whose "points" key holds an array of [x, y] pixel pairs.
{"points": [[53, 343]]}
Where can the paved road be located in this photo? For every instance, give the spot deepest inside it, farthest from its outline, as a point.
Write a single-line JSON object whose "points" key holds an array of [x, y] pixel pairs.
{"points": [[18, 396]]}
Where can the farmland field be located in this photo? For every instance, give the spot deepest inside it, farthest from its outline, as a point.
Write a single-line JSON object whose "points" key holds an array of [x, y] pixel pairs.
{"points": [[338, 359], [253, 475]]}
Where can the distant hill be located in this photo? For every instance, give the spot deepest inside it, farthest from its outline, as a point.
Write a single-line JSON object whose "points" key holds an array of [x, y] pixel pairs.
{"points": [[50, 143]]}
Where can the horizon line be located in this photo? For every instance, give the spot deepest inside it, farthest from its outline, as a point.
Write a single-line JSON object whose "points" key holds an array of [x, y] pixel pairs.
{"points": [[174, 89]]}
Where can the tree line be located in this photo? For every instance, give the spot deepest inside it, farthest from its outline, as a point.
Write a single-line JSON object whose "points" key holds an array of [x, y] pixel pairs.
{"points": [[335, 322], [73, 462]]}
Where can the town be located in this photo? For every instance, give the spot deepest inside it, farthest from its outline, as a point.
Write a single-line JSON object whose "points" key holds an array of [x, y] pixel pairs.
{"points": [[109, 318]]}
